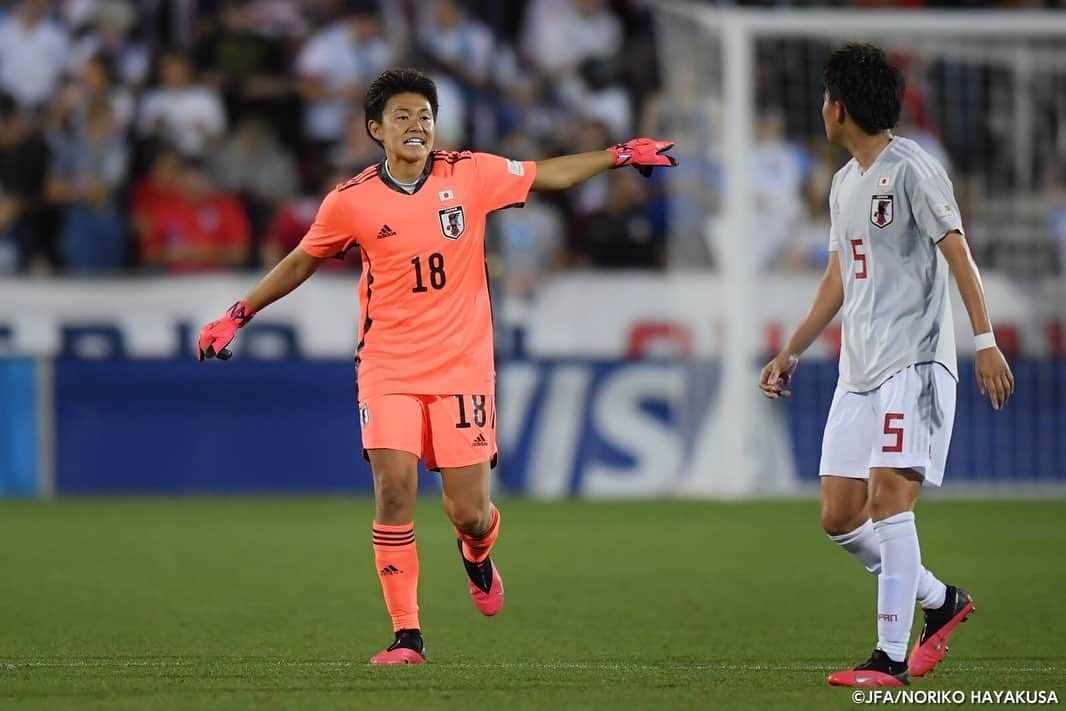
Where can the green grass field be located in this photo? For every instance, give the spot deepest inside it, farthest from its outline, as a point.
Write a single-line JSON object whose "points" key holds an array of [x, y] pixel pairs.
{"points": [[273, 603]]}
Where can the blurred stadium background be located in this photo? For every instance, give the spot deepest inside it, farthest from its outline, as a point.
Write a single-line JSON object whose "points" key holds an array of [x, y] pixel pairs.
{"points": [[156, 156]]}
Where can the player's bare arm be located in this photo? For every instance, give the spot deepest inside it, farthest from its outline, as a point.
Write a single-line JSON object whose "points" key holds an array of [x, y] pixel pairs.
{"points": [[289, 273], [564, 172], [827, 301], [994, 376]]}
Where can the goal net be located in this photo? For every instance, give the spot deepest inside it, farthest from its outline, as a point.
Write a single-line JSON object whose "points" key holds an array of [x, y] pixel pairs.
{"points": [[742, 96]]}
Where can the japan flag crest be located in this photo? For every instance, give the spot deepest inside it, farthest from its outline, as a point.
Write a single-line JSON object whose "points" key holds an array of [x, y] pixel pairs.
{"points": [[452, 222], [881, 210]]}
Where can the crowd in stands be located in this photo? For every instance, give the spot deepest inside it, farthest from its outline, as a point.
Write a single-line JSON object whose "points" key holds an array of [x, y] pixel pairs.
{"points": [[197, 136], [181, 137]]}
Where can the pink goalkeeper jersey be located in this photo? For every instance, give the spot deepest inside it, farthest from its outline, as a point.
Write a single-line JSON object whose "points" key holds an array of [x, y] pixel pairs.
{"points": [[426, 320]]}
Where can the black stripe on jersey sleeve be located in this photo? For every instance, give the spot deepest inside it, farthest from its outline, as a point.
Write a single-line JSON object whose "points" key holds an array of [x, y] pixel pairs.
{"points": [[359, 179], [453, 157], [508, 207], [946, 236]]}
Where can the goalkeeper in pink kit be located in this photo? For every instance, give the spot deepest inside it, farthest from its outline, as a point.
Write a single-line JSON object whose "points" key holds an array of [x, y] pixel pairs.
{"points": [[426, 382]]}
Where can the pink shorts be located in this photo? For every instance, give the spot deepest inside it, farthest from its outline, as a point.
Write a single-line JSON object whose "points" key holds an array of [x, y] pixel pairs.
{"points": [[448, 430]]}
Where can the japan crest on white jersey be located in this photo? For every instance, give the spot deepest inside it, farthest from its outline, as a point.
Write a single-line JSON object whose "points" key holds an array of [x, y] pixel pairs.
{"points": [[885, 225]]}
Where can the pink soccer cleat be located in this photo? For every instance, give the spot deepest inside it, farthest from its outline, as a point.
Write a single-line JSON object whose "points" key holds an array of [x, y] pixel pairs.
{"points": [[407, 649], [486, 585], [940, 623], [878, 670]]}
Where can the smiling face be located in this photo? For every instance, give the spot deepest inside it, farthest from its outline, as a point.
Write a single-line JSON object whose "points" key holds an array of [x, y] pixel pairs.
{"points": [[406, 130]]}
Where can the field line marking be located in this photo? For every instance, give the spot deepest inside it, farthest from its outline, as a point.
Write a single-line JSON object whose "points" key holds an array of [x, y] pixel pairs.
{"points": [[562, 665]]}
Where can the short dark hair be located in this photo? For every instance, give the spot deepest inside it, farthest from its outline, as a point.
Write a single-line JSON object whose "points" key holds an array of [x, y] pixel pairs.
{"points": [[393, 82], [870, 87]]}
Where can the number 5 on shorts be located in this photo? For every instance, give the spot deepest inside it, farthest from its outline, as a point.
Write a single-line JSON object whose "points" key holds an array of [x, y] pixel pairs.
{"points": [[891, 431]]}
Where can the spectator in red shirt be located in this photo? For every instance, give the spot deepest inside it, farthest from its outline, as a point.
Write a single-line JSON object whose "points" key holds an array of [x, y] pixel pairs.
{"points": [[199, 229], [292, 221], [158, 186]]}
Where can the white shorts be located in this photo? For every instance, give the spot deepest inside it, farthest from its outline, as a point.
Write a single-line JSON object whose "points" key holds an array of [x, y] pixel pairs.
{"points": [[904, 424]]}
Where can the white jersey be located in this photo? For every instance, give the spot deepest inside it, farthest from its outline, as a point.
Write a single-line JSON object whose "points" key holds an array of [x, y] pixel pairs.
{"points": [[885, 226]]}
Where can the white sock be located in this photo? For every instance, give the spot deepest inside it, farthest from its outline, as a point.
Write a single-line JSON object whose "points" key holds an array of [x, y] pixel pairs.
{"points": [[931, 592], [901, 561], [863, 545]]}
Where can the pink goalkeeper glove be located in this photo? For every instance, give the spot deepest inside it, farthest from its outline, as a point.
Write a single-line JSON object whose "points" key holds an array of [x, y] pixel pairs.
{"points": [[215, 336], [643, 154]]}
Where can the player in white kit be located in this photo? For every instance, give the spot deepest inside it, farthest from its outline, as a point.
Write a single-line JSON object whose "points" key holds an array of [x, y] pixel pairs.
{"points": [[895, 232]]}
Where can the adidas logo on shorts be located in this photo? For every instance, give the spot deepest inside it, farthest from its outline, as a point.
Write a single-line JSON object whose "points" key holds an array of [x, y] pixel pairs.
{"points": [[480, 441], [386, 231]]}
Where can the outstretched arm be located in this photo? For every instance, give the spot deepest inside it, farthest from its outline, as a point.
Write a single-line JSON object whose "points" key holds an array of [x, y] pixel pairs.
{"points": [[993, 373], [827, 301], [289, 273], [567, 171]]}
